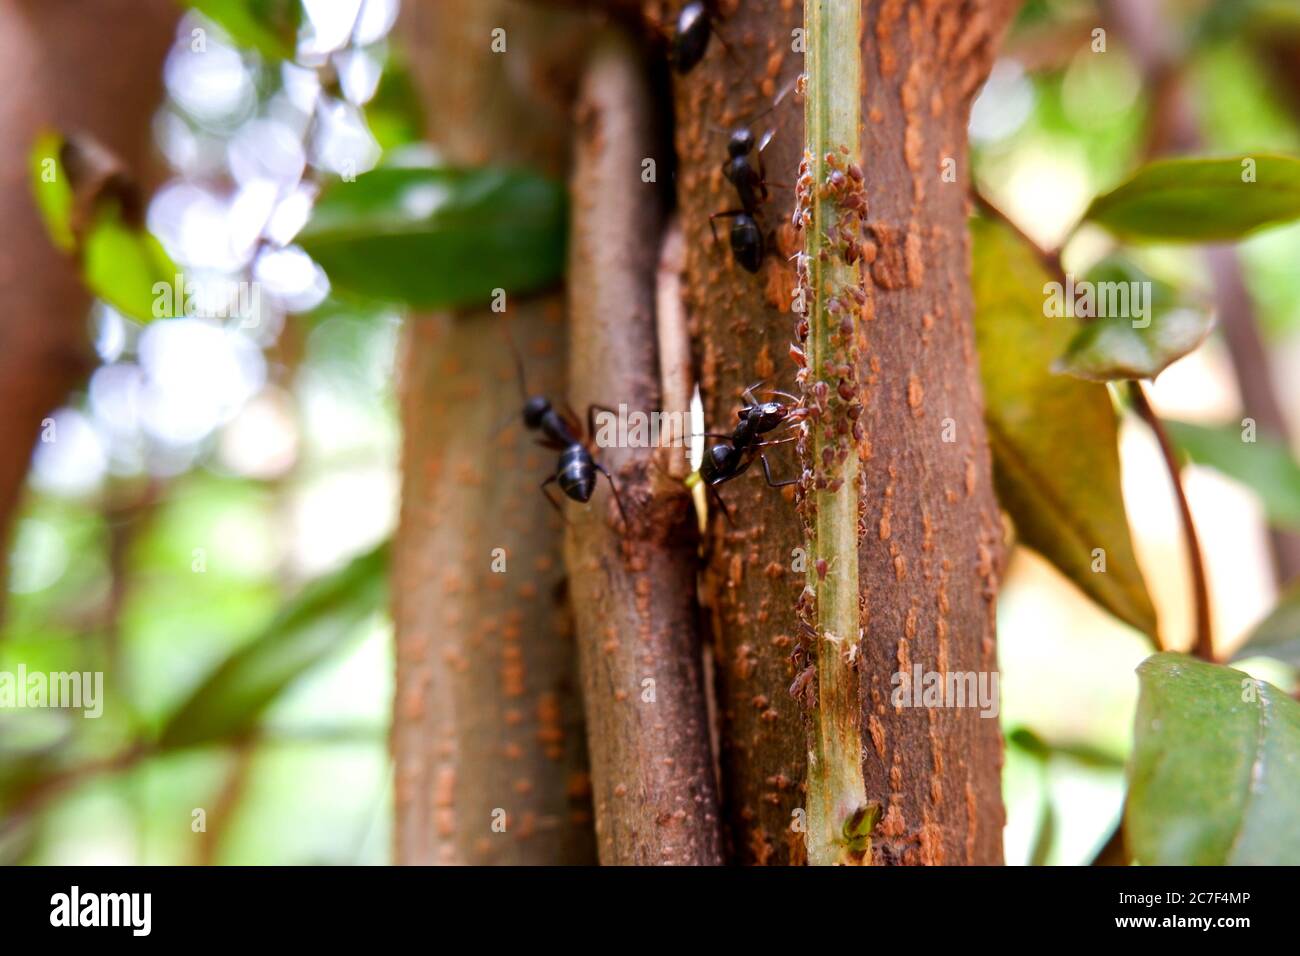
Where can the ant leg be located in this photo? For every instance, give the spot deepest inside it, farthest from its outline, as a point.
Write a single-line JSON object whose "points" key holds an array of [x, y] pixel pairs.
{"points": [[726, 512], [767, 471], [614, 488], [554, 504], [725, 45], [747, 396], [725, 214]]}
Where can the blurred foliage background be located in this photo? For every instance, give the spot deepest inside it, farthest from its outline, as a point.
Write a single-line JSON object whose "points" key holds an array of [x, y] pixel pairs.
{"points": [[209, 527]]}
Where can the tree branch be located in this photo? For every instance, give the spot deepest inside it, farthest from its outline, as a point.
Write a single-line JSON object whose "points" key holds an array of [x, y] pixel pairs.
{"points": [[633, 584]]}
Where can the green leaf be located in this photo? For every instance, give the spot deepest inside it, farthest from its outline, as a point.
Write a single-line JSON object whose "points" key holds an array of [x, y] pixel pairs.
{"points": [[1133, 327], [329, 612], [1032, 744], [1278, 635], [268, 26], [1264, 465], [1116, 348], [124, 265], [51, 189], [1201, 200], [1054, 438], [434, 238], [393, 114], [1215, 768]]}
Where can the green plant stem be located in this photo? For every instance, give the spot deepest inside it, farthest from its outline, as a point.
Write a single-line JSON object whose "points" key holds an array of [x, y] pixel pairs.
{"points": [[832, 110]]}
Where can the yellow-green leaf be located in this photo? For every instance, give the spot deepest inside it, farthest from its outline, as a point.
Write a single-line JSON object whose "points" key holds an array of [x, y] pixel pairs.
{"points": [[51, 189], [124, 265], [1054, 437]]}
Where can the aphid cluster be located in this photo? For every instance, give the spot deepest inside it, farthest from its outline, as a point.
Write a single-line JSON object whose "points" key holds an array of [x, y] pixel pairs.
{"points": [[844, 185], [733, 454]]}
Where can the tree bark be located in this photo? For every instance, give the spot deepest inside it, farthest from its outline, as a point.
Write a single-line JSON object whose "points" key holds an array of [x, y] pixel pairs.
{"points": [[742, 327], [65, 66], [633, 583], [930, 550], [487, 724]]}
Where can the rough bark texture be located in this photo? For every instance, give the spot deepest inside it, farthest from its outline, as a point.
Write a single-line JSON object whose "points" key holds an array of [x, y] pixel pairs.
{"points": [[65, 66], [932, 534], [633, 585], [487, 712], [931, 548], [743, 326]]}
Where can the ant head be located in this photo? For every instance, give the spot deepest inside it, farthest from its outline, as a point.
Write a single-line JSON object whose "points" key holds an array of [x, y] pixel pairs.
{"points": [[535, 410], [740, 143], [765, 416]]}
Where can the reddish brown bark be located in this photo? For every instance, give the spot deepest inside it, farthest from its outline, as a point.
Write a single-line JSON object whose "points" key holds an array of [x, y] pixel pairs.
{"points": [[742, 326], [64, 66], [487, 714], [633, 583], [931, 544]]}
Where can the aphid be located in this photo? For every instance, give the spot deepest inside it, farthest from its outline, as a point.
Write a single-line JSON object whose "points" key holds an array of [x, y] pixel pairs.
{"points": [[731, 457], [576, 469]]}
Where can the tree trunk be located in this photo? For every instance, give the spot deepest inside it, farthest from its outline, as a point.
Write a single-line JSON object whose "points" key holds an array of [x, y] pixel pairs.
{"points": [[65, 66], [487, 723], [930, 547]]}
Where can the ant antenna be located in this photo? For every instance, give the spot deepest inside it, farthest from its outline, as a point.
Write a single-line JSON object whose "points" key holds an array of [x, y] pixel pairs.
{"points": [[519, 361]]}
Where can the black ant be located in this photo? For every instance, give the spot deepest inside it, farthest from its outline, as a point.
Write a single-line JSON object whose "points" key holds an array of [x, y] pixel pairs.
{"points": [[691, 41], [744, 170], [732, 456], [750, 180], [576, 470]]}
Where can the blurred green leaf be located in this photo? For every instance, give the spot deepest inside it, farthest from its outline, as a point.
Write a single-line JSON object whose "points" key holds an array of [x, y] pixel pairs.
{"points": [[1215, 768], [1278, 635], [1086, 754], [122, 265], [53, 192], [1201, 200], [1054, 438], [393, 113], [439, 237], [268, 26], [320, 621], [1264, 465], [1110, 347], [1114, 348]]}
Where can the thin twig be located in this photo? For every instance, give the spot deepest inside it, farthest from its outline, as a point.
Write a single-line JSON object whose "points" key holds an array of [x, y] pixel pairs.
{"points": [[1203, 646]]}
